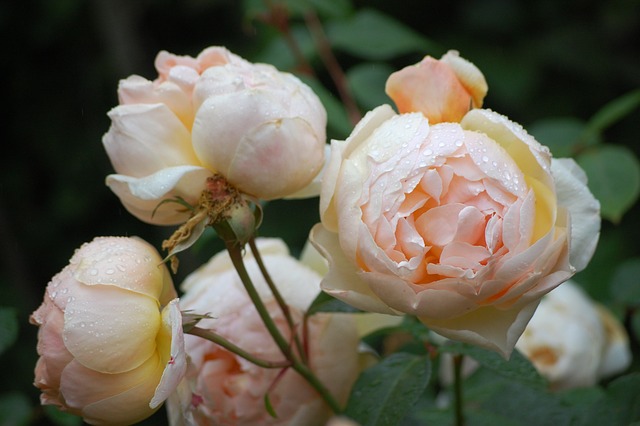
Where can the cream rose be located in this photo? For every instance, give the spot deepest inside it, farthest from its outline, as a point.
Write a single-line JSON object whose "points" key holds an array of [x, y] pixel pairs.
{"points": [[226, 389], [465, 225], [264, 130], [110, 339], [574, 342]]}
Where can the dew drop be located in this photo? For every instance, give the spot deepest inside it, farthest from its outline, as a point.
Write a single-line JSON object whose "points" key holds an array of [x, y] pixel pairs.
{"points": [[121, 268], [458, 142], [93, 272], [485, 159], [428, 152], [109, 271]]}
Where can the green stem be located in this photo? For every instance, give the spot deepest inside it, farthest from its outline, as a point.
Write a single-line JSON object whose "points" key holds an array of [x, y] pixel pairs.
{"points": [[305, 372], [235, 252], [219, 340], [457, 389], [279, 299]]}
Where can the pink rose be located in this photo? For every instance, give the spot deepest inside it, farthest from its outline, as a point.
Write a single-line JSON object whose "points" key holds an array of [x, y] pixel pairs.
{"points": [[443, 90], [464, 225], [110, 339], [264, 130], [225, 388]]}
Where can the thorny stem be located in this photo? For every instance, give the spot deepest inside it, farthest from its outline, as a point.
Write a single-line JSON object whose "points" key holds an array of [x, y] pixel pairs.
{"points": [[333, 67], [279, 299], [219, 340], [235, 252], [457, 389]]}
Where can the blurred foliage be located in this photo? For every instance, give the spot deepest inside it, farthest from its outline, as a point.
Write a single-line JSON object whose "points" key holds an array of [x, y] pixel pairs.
{"points": [[567, 70]]}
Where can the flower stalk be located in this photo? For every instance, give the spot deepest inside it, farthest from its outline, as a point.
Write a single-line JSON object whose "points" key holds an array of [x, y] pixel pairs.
{"points": [[235, 252], [219, 340], [457, 389]]}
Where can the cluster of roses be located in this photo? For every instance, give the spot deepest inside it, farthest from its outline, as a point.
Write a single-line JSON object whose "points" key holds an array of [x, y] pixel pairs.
{"points": [[442, 210]]}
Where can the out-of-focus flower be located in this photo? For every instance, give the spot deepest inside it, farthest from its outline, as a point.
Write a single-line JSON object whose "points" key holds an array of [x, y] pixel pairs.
{"points": [[227, 389], [573, 341], [110, 339], [443, 90], [465, 225], [262, 129]]}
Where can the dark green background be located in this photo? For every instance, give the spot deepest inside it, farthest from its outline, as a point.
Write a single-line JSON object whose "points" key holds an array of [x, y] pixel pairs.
{"points": [[61, 62]]}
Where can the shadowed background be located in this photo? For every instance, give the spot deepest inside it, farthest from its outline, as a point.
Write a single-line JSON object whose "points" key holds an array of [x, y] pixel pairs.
{"points": [[63, 59]]}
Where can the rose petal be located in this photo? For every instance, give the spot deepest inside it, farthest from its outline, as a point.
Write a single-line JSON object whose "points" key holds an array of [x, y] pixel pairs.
{"points": [[146, 138], [274, 147], [341, 149], [176, 364], [111, 398], [98, 324], [574, 195], [430, 87], [469, 75], [487, 327], [142, 196], [343, 281], [128, 263]]}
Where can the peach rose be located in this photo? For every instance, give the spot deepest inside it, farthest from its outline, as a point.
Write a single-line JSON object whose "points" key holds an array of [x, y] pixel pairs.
{"points": [[264, 130], [225, 388], [574, 342], [443, 90], [464, 225], [110, 339]]}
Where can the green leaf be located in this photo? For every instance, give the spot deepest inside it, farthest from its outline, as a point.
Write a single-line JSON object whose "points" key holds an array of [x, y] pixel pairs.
{"points": [[269, 407], [298, 8], [370, 34], [614, 178], [337, 121], [614, 111], [327, 303], [332, 8], [278, 53], [61, 418], [621, 403], [384, 393], [15, 409], [367, 82], [624, 284], [517, 367], [635, 324], [561, 135], [8, 328]]}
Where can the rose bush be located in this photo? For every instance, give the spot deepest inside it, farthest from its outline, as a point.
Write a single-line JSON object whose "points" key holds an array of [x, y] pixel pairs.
{"points": [[465, 225], [110, 339], [262, 129], [225, 388], [574, 342]]}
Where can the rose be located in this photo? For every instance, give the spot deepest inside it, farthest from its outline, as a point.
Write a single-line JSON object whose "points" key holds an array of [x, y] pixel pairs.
{"points": [[464, 225], [574, 342], [264, 130], [108, 352], [443, 90], [227, 389]]}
